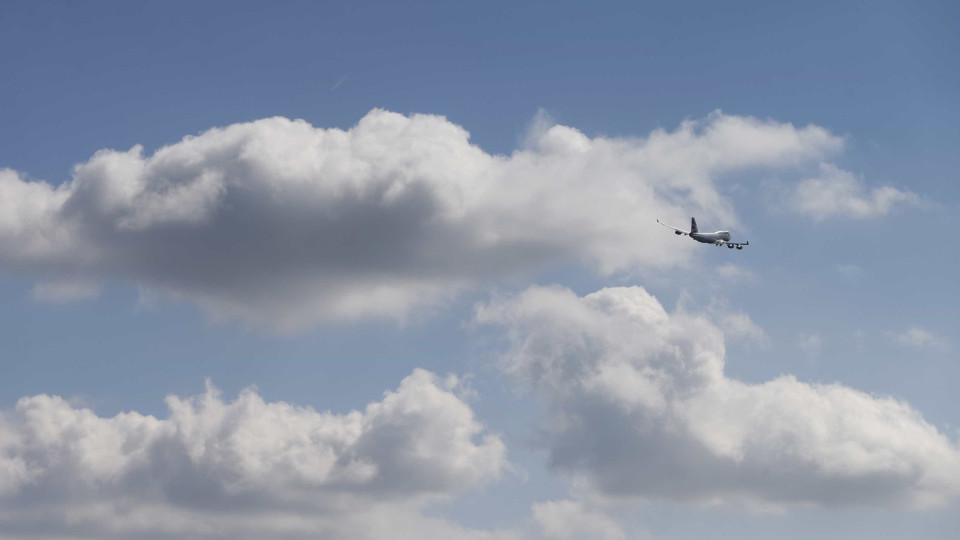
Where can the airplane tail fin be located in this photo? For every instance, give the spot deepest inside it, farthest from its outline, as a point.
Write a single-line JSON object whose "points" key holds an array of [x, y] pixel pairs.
{"points": [[693, 225]]}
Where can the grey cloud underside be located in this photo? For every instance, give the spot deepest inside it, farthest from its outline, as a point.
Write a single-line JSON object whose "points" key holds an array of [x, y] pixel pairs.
{"points": [[245, 468], [281, 224], [638, 406]]}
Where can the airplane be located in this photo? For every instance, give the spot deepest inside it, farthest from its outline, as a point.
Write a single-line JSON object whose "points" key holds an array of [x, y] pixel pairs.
{"points": [[719, 238]]}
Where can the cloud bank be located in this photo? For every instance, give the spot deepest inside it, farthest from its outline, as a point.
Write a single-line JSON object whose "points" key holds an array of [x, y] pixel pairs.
{"points": [[638, 406], [281, 224], [243, 469]]}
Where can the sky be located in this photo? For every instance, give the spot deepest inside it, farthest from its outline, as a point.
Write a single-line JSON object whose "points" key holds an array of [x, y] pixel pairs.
{"points": [[372, 269]]}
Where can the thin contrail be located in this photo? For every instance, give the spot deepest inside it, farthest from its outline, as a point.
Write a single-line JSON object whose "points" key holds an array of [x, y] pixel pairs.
{"points": [[338, 83]]}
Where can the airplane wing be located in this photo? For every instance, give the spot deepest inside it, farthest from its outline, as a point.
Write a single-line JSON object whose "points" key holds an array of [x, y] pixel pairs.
{"points": [[675, 230], [738, 245]]}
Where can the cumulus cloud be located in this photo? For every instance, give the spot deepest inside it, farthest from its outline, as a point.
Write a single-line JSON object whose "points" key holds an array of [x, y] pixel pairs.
{"points": [[739, 325], [243, 468], [837, 193], [569, 519], [638, 406], [736, 325], [282, 224]]}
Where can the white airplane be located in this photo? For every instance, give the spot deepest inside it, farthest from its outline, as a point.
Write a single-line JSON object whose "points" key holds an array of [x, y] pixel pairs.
{"points": [[719, 238]]}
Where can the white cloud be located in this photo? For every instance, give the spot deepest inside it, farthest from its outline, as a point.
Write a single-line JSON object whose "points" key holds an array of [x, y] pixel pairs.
{"points": [[568, 519], [739, 325], [736, 325], [246, 468], [837, 193], [639, 406], [281, 224], [920, 338]]}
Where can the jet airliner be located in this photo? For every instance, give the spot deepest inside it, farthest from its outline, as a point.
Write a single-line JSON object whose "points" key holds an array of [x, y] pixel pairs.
{"points": [[718, 238]]}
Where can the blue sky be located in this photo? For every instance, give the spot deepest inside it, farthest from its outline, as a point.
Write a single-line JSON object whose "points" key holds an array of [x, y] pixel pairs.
{"points": [[837, 286]]}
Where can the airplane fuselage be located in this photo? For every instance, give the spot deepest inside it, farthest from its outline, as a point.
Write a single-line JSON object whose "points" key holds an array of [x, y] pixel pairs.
{"points": [[719, 238], [711, 238]]}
